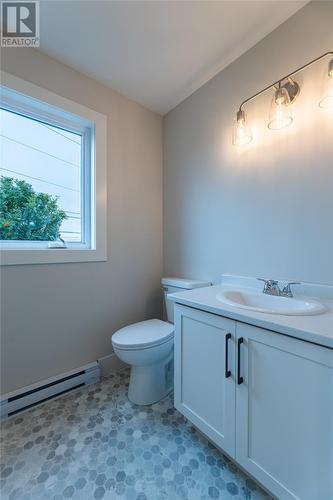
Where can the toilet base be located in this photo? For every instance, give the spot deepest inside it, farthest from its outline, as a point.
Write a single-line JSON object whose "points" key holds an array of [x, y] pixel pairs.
{"points": [[150, 383]]}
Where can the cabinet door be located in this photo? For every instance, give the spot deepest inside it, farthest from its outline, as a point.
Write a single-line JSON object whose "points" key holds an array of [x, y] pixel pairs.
{"points": [[205, 373], [285, 414]]}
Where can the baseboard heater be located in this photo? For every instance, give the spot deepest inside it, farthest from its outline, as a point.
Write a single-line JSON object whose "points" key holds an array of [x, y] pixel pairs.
{"points": [[36, 394]]}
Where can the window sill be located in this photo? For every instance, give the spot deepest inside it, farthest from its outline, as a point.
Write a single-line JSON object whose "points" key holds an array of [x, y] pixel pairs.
{"points": [[50, 256]]}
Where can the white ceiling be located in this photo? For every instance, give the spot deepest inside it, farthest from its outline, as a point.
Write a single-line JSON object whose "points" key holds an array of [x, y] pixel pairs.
{"points": [[156, 52]]}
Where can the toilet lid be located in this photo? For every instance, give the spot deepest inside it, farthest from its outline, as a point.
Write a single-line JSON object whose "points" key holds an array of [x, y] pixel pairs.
{"points": [[144, 334]]}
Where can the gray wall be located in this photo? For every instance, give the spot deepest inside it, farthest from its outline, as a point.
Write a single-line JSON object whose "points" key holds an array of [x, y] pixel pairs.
{"points": [[58, 317], [267, 209]]}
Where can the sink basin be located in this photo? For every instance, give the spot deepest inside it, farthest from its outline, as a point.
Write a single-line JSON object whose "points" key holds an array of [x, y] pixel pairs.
{"points": [[271, 304]]}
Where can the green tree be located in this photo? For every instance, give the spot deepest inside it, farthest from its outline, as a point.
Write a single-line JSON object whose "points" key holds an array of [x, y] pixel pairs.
{"points": [[27, 215]]}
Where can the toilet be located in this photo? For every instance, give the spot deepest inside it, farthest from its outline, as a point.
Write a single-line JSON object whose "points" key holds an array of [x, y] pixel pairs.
{"points": [[148, 347]]}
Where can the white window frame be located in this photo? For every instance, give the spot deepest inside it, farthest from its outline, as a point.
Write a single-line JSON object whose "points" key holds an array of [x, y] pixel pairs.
{"points": [[36, 102]]}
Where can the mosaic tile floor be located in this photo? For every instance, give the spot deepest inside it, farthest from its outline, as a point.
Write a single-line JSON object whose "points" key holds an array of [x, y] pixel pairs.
{"points": [[95, 444]]}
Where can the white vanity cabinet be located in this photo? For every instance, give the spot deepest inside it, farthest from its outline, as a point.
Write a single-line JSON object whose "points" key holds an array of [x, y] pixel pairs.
{"points": [[273, 414], [204, 374], [284, 414]]}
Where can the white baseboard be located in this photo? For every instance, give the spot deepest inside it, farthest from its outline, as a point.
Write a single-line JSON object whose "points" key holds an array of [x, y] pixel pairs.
{"points": [[110, 364]]}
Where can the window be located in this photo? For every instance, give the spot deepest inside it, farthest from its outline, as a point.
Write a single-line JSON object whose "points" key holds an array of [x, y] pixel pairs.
{"points": [[53, 160], [52, 178]]}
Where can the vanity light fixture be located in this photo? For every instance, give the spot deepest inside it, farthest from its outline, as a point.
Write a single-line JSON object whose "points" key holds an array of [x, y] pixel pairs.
{"points": [[241, 131], [286, 91], [281, 114], [327, 99]]}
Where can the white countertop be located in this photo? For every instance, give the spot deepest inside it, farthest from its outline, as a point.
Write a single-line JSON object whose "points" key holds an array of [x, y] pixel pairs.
{"points": [[316, 328]]}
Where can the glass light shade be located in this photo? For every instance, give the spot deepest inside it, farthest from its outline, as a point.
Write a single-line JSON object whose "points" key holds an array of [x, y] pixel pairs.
{"points": [[280, 115], [241, 133], [327, 98]]}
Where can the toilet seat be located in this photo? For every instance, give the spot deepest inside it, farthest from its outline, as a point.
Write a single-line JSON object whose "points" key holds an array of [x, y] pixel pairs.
{"points": [[143, 335]]}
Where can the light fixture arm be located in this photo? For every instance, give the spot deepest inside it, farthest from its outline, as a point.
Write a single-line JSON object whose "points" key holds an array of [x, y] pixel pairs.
{"points": [[287, 77]]}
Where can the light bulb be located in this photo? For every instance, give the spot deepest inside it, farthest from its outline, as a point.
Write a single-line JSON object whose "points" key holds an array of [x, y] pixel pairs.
{"points": [[241, 132], [280, 115], [327, 98]]}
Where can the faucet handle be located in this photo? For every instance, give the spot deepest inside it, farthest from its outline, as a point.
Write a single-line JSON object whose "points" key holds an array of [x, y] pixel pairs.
{"points": [[286, 291], [265, 280], [269, 282], [270, 286]]}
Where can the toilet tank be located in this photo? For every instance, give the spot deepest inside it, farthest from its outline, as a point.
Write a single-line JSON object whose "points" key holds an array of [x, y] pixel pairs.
{"points": [[174, 285]]}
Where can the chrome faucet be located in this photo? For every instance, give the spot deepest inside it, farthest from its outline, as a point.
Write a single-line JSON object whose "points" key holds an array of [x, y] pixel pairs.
{"points": [[286, 290], [271, 287]]}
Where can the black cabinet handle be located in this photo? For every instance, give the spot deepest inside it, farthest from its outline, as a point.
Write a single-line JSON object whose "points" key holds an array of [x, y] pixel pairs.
{"points": [[227, 371], [240, 379]]}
